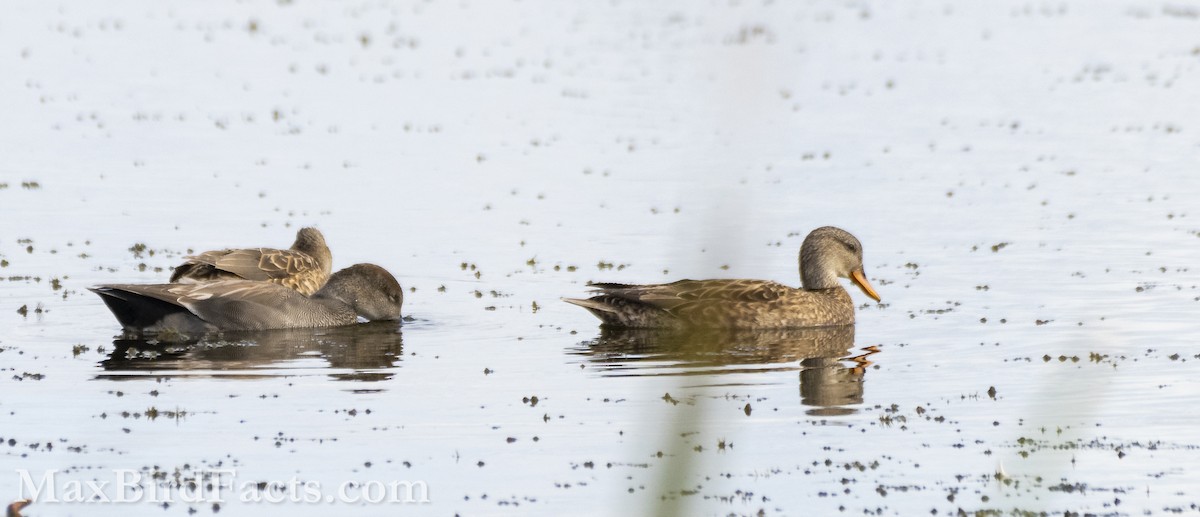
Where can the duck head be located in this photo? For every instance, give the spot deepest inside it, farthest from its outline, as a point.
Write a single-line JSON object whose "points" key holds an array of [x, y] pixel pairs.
{"points": [[829, 253], [370, 290]]}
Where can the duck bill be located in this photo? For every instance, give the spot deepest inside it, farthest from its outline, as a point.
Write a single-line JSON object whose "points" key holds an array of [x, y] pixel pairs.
{"points": [[861, 280]]}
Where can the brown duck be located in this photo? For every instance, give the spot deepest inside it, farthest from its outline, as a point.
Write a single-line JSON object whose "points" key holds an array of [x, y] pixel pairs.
{"points": [[827, 254], [304, 267]]}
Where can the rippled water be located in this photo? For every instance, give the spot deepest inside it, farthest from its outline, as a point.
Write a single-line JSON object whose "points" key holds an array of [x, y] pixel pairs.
{"points": [[367, 352], [1021, 175]]}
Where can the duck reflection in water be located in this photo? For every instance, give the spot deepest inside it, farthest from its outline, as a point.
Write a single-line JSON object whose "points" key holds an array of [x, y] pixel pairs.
{"points": [[831, 376], [364, 352]]}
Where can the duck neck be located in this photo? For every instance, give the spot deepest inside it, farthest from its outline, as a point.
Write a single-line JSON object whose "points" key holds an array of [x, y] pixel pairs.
{"points": [[324, 258], [336, 294], [815, 273], [339, 312]]}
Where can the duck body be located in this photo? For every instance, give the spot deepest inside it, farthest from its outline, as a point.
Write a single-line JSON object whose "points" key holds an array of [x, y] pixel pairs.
{"points": [[304, 267], [827, 254], [364, 290], [717, 304]]}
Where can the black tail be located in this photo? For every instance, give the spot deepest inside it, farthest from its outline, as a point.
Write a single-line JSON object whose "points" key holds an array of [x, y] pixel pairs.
{"points": [[133, 310]]}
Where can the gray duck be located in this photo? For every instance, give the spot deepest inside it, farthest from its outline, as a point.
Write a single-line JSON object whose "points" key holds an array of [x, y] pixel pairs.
{"points": [[826, 254], [364, 290], [304, 267]]}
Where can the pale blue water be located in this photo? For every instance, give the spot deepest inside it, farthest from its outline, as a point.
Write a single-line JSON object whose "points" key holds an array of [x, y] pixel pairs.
{"points": [[535, 141]]}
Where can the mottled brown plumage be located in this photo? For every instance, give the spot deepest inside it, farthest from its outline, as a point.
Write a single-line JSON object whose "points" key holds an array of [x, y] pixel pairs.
{"points": [[827, 254], [305, 267]]}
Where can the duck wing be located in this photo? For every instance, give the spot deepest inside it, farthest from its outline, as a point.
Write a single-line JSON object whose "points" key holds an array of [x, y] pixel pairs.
{"points": [[225, 305], [703, 303], [685, 294], [258, 264], [144, 306]]}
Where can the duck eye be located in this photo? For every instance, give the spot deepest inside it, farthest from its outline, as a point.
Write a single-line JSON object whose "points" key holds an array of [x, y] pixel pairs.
{"points": [[852, 248]]}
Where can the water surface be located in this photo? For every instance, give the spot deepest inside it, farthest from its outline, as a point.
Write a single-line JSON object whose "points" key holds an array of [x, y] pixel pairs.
{"points": [[1022, 176]]}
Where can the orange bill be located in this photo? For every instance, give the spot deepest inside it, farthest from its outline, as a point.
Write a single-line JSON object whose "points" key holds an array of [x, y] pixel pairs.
{"points": [[860, 279]]}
